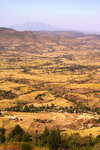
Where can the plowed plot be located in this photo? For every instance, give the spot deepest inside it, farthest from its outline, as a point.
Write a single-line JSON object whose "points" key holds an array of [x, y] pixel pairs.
{"points": [[38, 121]]}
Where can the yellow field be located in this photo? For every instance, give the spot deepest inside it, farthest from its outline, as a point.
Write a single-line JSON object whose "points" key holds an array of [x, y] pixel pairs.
{"points": [[55, 68], [86, 132]]}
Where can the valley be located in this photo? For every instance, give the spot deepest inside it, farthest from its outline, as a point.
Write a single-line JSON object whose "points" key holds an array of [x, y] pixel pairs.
{"points": [[45, 69]]}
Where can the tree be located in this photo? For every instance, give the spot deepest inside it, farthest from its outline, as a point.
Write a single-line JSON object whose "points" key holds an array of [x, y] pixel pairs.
{"points": [[2, 135], [27, 137], [54, 139], [97, 139], [26, 109], [16, 134], [44, 136]]}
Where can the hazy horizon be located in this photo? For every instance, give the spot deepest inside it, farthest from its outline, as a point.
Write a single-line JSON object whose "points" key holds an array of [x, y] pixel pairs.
{"points": [[67, 15]]}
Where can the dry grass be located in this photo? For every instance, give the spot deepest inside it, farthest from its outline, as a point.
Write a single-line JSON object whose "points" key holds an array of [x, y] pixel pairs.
{"points": [[86, 132], [53, 66]]}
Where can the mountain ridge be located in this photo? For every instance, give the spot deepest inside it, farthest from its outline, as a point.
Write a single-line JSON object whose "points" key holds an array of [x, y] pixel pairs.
{"points": [[34, 26], [8, 34]]}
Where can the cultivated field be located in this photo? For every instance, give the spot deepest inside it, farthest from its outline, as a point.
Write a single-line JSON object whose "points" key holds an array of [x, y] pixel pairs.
{"points": [[50, 68], [71, 123]]}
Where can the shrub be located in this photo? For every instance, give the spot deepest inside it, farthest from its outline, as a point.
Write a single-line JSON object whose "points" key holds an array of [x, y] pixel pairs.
{"points": [[18, 134], [44, 136], [25, 146], [2, 135], [54, 139]]}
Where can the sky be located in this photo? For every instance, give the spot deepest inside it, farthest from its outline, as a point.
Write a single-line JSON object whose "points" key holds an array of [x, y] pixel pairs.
{"points": [[82, 15]]}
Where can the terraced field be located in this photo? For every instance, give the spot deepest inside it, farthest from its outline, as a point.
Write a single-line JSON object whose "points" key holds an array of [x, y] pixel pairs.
{"points": [[67, 122]]}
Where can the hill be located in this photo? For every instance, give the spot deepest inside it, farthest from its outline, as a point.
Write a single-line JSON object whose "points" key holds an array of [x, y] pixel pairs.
{"points": [[34, 26], [12, 35]]}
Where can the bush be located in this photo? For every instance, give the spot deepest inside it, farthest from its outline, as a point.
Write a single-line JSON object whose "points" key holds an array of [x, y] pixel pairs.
{"points": [[44, 137], [2, 135], [97, 146], [54, 139], [27, 137], [25, 146], [18, 134]]}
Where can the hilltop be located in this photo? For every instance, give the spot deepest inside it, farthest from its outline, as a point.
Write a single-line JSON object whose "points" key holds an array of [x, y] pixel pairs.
{"points": [[12, 35], [34, 26]]}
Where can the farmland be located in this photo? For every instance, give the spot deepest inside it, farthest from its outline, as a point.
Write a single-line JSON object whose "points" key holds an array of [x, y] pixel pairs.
{"points": [[50, 68]]}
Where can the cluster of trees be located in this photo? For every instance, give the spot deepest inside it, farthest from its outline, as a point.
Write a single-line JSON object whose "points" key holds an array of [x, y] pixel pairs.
{"points": [[21, 81], [42, 120], [74, 68], [16, 135], [48, 138], [7, 94], [52, 139], [97, 110], [31, 108], [52, 108]]}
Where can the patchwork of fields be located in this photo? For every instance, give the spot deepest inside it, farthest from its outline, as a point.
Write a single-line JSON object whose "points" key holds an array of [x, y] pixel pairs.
{"points": [[49, 68]]}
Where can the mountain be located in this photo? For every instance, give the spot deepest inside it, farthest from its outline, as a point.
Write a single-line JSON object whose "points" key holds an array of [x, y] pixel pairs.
{"points": [[11, 35], [34, 26]]}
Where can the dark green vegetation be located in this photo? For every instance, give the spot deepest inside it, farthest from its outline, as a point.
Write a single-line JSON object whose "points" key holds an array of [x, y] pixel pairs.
{"points": [[49, 138], [2, 135], [53, 108], [7, 94], [18, 134]]}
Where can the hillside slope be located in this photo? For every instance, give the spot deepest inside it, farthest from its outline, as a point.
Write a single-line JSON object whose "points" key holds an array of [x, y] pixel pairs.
{"points": [[44, 68]]}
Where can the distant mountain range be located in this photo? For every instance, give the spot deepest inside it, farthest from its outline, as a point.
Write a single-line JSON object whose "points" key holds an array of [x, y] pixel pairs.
{"points": [[11, 35], [34, 26]]}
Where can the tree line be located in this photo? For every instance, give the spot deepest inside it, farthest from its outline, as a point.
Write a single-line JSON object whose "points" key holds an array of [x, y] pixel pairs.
{"points": [[52, 139], [52, 108]]}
